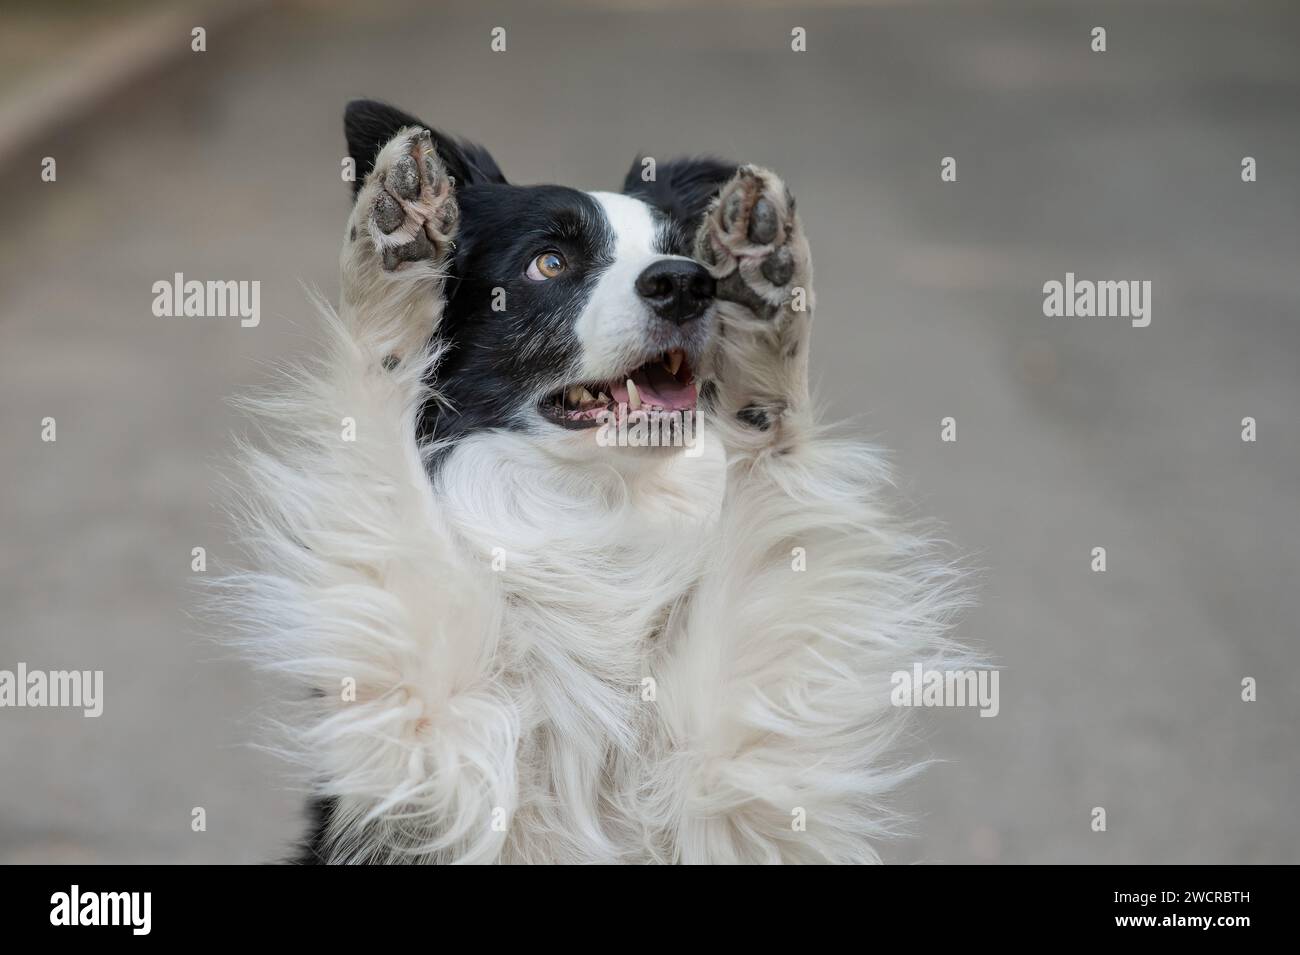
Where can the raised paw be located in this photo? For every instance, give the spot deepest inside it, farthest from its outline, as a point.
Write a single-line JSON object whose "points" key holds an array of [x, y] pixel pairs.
{"points": [[751, 241], [407, 209]]}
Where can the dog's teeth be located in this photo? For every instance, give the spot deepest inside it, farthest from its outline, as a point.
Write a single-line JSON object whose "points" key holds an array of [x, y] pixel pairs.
{"points": [[603, 398], [674, 361], [574, 395], [586, 397], [633, 399]]}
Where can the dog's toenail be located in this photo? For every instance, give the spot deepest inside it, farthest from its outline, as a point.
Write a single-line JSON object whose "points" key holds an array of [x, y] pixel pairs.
{"points": [[388, 213], [762, 223], [779, 266], [404, 178]]}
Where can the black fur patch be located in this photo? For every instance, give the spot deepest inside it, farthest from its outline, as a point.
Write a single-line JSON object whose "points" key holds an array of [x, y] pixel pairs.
{"points": [[755, 417], [681, 191], [503, 362], [369, 125], [311, 851]]}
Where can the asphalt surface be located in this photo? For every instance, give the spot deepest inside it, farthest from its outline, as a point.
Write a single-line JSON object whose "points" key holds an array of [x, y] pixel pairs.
{"points": [[1120, 690]]}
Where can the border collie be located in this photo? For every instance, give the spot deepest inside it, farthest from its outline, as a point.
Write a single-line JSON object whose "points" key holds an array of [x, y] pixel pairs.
{"points": [[527, 631]]}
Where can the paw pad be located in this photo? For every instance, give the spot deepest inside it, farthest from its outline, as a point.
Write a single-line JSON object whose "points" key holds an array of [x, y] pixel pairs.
{"points": [[778, 267], [763, 223], [412, 213], [388, 213], [404, 178], [750, 244], [418, 248]]}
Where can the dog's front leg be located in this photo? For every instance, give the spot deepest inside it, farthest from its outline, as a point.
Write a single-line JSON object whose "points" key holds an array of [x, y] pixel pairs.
{"points": [[753, 243], [365, 596], [776, 696], [396, 243]]}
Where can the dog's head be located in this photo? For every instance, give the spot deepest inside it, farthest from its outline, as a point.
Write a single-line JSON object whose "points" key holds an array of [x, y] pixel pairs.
{"points": [[558, 298]]}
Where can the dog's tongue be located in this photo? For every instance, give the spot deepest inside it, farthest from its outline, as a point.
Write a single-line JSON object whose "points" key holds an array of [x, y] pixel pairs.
{"points": [[655, 386]]}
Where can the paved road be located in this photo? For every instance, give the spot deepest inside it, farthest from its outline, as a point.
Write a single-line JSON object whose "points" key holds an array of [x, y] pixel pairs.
{"points": [[1120, 690]]}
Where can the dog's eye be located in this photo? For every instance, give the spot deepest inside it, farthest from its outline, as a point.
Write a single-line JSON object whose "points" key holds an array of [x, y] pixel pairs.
{"points": [[546, 266]]}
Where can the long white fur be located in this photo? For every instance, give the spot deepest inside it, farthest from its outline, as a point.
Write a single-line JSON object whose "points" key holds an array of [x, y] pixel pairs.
{"points": [[506, 622]]}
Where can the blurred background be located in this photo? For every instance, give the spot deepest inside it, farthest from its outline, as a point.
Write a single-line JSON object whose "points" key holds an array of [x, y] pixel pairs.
{"points": [[1120, 690]]}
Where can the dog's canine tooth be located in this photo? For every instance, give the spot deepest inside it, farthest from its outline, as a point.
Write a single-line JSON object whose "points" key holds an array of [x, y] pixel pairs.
{"points": [[674, 361], [586, 396], [633, 399], [575, 393]]}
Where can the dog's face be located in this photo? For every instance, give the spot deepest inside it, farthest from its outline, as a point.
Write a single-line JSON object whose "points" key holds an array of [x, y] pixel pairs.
{"points": [[564, 306]]}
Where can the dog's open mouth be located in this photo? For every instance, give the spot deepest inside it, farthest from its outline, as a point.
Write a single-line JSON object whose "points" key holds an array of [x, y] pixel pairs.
{"points": [[663, 384]]}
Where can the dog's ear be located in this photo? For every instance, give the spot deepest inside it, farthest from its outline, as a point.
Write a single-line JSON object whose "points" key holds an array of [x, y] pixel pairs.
{"points": [[368, 125], [683, 188]]}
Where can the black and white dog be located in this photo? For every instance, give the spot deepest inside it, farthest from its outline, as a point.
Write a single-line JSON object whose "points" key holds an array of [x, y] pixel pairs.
{"points": [[555, 542]]}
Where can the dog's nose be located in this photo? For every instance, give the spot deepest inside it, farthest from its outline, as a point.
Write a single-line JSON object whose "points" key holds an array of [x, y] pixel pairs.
{"points": [[678, 290]]}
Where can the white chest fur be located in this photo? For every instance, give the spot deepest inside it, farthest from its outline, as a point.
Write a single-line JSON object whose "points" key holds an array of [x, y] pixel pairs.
{"points": [[593, 561]]}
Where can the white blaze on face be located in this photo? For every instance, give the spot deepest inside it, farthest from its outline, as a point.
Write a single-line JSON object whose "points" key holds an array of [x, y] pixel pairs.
{"points": [[612, 327]]}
